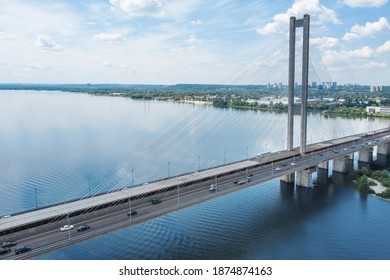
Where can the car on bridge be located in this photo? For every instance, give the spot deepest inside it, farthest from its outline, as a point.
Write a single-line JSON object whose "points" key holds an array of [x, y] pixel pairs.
{"points": [[6, 244], [22, 249], [132, 212], [156, 200], [240, 182], [4, 251], [66, 227], [83, 227], [213, 187], [278, 168]]}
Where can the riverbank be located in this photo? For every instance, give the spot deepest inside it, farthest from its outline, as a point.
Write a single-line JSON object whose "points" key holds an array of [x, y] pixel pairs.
{"points": [[378, 188], [197, 102]]}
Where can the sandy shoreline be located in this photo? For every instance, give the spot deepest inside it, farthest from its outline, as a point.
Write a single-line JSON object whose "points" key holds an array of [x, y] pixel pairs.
{"points": [[378, 188]]}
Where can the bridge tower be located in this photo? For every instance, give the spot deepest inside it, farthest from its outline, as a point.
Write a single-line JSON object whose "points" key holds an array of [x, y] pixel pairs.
{"points": [[294, 24]]}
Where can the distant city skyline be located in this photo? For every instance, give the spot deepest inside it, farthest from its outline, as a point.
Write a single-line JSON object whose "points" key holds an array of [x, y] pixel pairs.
{"points": [[196, 41]]}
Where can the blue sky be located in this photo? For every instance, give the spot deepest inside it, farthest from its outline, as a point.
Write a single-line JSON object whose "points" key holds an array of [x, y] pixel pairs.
{"points": [[189, 41]]}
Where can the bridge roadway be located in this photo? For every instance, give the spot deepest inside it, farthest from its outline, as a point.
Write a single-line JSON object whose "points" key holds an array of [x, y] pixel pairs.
{"points": [[175, 193]]}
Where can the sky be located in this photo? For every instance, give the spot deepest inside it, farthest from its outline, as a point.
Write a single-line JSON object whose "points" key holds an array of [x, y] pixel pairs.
{"points": [[190, 41]]}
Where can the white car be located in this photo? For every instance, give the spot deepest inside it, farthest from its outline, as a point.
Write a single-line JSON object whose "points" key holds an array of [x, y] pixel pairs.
{"points": [[293, 164], [278, 168], [66, 227]]}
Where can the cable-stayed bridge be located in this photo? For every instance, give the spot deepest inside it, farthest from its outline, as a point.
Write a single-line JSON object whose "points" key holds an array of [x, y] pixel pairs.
{"points": [[108, 211]]}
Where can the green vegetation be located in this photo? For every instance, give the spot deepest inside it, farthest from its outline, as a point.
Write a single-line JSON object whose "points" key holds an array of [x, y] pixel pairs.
{"points": [[382, 177], [363, 182], [363, 185], [385, 194], [354, 111]]}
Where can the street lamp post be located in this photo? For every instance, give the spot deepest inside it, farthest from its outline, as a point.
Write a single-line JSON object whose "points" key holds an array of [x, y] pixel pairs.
{"points": [[36, 197], [178, 196], [132, 176], [246, 152], [224, 157], [169, 170], [198, 163], [130, 208], [67, 214]]}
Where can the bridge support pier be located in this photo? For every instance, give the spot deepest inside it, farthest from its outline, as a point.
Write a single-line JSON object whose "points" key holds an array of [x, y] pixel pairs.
{"points": [[323, 165], [365, 158], [304, 178], [382, 160], [322, 173], [384, 149], [288, 179], [342, 164]]}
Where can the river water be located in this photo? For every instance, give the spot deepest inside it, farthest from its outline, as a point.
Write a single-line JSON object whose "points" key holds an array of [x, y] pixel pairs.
{"points": [[56, 146]]}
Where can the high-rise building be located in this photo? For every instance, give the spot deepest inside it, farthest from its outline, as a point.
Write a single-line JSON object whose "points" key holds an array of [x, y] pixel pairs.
{"points": [[375, 88]]}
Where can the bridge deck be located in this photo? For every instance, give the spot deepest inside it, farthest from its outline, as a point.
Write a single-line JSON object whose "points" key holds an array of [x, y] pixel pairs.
{"points": [[84, 204]]}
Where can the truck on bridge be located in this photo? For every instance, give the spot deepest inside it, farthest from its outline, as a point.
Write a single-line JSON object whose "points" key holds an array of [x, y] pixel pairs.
{"points": [[244, 181]]}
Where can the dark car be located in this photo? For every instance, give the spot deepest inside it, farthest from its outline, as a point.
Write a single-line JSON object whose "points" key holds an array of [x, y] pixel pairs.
{"points": [[4, 251], [8, 244], [132, 212], [156, 201], [22, 249], [82, 228]]}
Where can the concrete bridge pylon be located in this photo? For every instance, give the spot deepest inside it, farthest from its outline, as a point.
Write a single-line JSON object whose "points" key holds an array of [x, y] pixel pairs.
{"points": [[294, 24]]}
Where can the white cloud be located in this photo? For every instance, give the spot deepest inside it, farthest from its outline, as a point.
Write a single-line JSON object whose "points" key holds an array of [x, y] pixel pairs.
{"points": [[365, 3], [364, 52], [46, 43], [319, 15], [106, 64], [108, 37], [26, 67], [192, 40], [335, 57], [370, 29], [196, 22], [41, 66], [6, 36], [374, 64], [384, 48], [325, 42], [350, 36], [139, 8]]}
